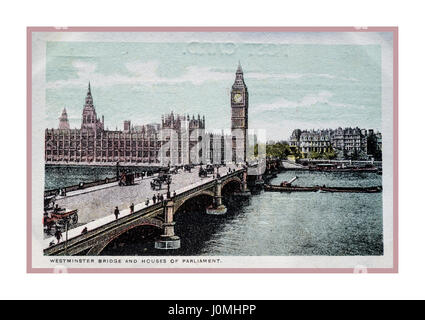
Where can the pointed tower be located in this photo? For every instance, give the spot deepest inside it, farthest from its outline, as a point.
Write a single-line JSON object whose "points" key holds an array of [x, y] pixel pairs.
{"points": [[63, 120], [239, 126], [90, 120]]}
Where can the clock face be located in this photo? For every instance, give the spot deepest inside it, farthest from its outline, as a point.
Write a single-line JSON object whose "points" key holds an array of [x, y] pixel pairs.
{"points": [[237, 98]]}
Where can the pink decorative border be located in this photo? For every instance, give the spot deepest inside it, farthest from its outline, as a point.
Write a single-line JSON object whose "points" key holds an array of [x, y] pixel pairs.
{"points": [[394, 30]]}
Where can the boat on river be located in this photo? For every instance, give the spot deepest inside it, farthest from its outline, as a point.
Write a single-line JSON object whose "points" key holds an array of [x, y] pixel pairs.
{"points": [[328, 167], [374, 189], [280, 188], [270, 187]]}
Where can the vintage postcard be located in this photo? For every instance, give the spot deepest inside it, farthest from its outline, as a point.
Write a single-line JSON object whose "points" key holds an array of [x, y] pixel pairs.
{"points": [[213, 149]]}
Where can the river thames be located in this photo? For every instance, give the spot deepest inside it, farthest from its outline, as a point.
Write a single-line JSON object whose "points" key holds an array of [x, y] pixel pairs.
{"points": [[60, 176], [269, 223]]}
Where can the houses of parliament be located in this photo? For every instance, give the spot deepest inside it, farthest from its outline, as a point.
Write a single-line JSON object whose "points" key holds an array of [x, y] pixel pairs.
{"points": [[176, 140]]}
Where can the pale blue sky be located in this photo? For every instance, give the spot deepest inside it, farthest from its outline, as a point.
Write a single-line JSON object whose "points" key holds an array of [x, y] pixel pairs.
{"points": [[290, 85]]}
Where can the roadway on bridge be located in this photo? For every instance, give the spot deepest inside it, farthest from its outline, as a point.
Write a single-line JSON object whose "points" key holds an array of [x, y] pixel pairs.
{"points": [[96, 205]]}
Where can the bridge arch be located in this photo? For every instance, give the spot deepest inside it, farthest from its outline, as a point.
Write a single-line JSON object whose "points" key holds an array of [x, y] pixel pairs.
{"points": [[232, 180], [103, 243], [179, 203]]}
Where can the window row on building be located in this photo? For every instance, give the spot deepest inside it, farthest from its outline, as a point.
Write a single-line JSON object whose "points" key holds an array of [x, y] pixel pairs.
{"points": [[348, 140], [177, 140]]}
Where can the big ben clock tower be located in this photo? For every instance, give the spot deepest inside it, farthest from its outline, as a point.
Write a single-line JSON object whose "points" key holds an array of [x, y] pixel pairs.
{"points": [[239, 106]]}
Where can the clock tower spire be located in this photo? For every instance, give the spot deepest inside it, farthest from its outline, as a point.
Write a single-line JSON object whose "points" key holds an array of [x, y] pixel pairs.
{"points": [[239, 106]]}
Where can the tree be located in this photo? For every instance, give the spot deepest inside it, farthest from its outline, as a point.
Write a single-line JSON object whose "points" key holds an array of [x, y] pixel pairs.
{"points": [[372, 147], [314, 155], [278, 150], [330, 155], [354, 155], [254, 150], [296, 153]]}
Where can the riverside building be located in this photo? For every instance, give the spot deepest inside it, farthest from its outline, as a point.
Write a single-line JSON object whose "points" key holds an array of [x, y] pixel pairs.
{"points": [[347, 140]]}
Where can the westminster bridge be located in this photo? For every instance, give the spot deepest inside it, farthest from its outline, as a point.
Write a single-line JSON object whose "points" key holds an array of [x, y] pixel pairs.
{"points": [[100, 226]]}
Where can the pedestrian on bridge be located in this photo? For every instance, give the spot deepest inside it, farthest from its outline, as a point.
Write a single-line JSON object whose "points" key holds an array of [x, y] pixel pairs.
{"points": [[116, 213], [154, 199], [58, 235], [132, 208]]}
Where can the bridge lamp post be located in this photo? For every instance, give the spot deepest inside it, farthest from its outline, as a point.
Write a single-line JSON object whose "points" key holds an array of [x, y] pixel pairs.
{"points": [[168, 187], [66, 234]]}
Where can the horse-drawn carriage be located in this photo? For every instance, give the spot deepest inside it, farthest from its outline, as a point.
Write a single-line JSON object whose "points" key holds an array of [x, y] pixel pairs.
{"points": [[172, 170], [188, 167], [202, 172], [56, 217], [210, 168], [126, 179], [156, 183]]}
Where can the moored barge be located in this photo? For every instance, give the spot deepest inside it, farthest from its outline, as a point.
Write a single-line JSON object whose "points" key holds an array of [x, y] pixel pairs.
{"points": [[280, 188]]}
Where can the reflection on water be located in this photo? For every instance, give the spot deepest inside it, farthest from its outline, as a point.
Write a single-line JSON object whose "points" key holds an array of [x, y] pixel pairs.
{"points": [[278, 224]]}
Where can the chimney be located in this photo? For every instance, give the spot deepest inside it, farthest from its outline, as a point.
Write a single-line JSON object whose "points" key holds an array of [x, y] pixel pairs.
{"points": [[127, 125]]}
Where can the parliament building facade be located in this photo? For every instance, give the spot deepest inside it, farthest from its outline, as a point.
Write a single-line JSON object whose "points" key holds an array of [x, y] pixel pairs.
{"points": [[177, 140]]}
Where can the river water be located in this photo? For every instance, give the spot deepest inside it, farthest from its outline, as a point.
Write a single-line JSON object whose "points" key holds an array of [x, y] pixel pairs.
{"points": [[60, 176], [278, 224]]}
